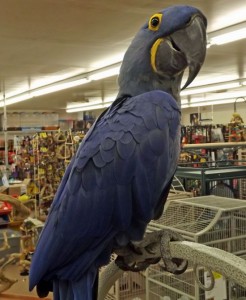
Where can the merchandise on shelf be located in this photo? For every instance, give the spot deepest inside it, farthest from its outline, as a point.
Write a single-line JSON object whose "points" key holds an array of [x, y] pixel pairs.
{"points": [[43, 158], [237, 130]]}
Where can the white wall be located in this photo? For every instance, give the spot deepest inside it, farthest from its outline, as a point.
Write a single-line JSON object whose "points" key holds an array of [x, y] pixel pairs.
{"points": [[220, 114], [66, 116]]}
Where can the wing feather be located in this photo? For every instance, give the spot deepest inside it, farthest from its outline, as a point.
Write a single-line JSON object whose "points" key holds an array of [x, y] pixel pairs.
{"points": [[126, 150], [124, 169], [107, 144], [157, 141], [162, 115], [112, 188], [98, 160], [107, 155]]}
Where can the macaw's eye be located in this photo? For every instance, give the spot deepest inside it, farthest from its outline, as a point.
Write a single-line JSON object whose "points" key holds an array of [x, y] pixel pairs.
{"points": [[155, 21]]}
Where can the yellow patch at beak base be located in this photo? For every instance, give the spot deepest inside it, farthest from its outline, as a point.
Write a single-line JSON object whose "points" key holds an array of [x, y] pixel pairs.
{"points": [[153, 52]]}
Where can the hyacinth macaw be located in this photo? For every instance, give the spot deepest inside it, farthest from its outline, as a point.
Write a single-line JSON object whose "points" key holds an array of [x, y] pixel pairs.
{"points": [[121, 174]]}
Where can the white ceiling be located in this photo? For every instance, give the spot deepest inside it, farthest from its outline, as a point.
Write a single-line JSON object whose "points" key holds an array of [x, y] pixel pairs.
{"points": [[51, 39]]}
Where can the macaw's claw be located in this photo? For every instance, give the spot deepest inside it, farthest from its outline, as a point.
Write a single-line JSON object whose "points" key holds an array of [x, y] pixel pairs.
{"points": [[136, 266], [170, 264]]}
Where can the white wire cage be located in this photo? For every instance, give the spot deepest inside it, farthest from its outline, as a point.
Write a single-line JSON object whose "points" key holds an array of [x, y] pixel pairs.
{"points": [[130, 286], [211, 220]]}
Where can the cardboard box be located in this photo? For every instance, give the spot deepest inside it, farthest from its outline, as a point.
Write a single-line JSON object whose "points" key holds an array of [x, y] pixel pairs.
{"points": [[18, 188]]}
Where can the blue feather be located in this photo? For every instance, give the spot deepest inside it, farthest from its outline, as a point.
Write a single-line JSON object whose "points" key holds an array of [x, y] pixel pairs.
{"points": [[108, 174], [126, 150], [123, 211], [157, 141], [107, 144], [124, 168], [139, 133], [162, 117], [107, 155], [98, 160], [126, 138]]}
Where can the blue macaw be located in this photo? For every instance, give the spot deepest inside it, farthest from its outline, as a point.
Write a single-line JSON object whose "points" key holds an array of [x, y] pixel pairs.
{"points": [[121, 174]]}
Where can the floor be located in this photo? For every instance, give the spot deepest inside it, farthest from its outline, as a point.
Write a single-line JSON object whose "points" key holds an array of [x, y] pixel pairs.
{"points": [[19, 290]]}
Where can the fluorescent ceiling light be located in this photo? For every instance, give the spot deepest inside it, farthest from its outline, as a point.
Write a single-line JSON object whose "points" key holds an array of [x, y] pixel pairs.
{"points": [[42, 91], [227, 35], [110, 99], [105, 74], [14, 100], [204, 102], [210, 88], [211, 80], [82, 104], [59, 87], [220, 96], [92, 104], [88, 108], [214, 102], [184, 101]]}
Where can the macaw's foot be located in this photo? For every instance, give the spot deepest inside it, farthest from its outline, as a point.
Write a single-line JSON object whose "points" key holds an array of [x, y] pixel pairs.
{"points": [[137, 256]]}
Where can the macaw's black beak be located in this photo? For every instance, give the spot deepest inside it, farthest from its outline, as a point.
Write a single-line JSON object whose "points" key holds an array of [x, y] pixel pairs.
{"points": [[191, 42]]}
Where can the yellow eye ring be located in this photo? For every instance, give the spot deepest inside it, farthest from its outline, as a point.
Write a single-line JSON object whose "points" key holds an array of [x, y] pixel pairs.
{"points": [[154, 22]]}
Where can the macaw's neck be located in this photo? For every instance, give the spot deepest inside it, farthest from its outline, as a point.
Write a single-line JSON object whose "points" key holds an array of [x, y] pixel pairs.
{"points": [[136, 83], [138, 77]]}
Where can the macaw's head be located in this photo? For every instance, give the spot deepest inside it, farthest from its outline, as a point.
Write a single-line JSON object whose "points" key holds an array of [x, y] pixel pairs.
{"points": [[169, 42]]}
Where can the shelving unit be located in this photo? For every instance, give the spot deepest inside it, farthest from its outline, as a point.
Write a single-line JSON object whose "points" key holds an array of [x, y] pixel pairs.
{"points": [[219, 168], [43, 157], [242, 183], [208, 175]]}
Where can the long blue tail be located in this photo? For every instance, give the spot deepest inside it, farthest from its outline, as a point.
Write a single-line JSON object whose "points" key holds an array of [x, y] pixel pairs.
{"points": [[84, 289]]}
